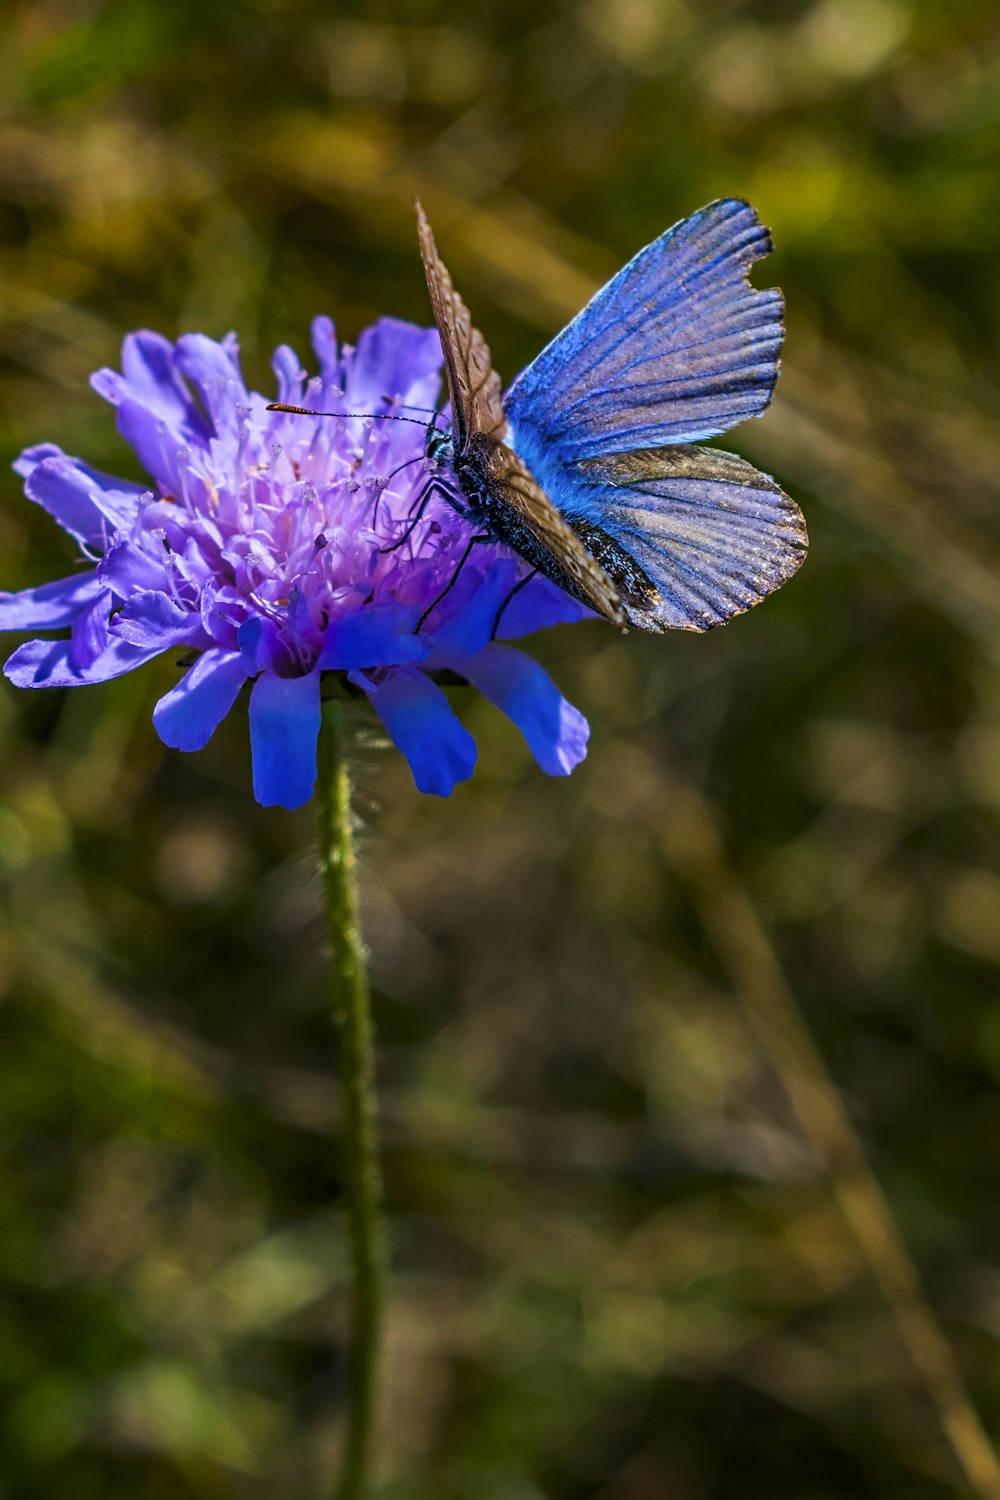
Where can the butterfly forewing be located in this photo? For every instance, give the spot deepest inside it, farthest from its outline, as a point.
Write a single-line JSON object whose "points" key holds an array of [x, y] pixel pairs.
{"points": [[473, 384], [495, 481]]}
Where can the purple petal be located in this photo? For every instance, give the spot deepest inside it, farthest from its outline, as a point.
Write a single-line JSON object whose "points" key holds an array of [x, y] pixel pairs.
{"points": [[51, 606], [150, 378], [324, 342], [382, 635], [87, 504], [50, 664], [214, 369], [391, 356], [30, 458], [156, 443], [421, 724], [90, 635], [284, 729], [289, 373], [556, 732], [188, 716], [127, 568], [151, 619]]}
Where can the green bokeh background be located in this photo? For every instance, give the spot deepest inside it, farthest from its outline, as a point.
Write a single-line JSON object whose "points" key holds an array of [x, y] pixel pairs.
{"points": [[623, 1269]]}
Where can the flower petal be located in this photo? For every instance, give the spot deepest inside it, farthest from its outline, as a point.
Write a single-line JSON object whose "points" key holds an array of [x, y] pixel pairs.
{"points": [[30, 458], [390, 358], [470, 628], [539, 604], [151, 619], [156, 443], [127, 568], [214, 369], [555, 731], [90, 635], [51, 606], [51, 664], [188, 716], [382, 635], [289, 373], [284, 729], [421, 724], [151, 378], [87, 504], [324, 342]]}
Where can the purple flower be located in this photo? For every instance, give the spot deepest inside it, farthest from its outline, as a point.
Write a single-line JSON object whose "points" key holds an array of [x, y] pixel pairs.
{"points": [[263, 552]]}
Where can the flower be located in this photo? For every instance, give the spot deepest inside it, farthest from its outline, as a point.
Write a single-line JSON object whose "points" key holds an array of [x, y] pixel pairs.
{"points": [[271, 548]]}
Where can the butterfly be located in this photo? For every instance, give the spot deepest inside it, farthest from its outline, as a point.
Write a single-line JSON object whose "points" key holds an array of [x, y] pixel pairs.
{"points": [[590, 466]]}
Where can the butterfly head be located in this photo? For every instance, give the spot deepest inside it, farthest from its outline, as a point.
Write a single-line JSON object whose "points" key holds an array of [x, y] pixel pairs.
{"points": [[439, 446]]}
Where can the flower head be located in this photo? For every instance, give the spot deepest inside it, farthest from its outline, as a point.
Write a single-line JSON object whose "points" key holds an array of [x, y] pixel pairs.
{"points": [[271, 548]]}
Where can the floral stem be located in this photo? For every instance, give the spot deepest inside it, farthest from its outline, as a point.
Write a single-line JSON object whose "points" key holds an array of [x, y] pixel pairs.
{"points": [[352, 1014]]}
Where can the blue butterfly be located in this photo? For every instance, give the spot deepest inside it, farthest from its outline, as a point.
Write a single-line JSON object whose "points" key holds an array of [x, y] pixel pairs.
{"points": [[588, 467]]}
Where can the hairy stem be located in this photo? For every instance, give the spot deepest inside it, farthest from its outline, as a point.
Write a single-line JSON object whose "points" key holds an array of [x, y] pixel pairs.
{"points": [[352, 1014]]}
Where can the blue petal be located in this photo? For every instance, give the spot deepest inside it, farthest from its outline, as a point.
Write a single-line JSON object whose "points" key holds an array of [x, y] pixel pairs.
{"points": [[539, 604], [470, 628], [381, 635], [188, 716], [284, 729], [51, 606], [152, 619], [555, 731], [51, 664], [89, 505], [421, 724]]}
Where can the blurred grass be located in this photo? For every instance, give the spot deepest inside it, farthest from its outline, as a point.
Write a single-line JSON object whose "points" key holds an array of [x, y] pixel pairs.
{"points": [[621, 1268]]}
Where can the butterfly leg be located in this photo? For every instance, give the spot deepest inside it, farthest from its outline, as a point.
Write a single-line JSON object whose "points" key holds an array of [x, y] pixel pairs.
{"points": [[420, 505], [419, 459], [472, 542], [515, 590]]}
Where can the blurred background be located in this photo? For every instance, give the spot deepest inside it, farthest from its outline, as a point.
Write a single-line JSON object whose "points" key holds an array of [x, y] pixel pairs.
{"points": [[638, 1252]]}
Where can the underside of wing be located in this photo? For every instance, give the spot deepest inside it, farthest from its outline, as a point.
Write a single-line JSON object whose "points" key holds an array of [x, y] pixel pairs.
{"points": [[528, 521], [676, 348], [691, 536], [473, 384]]}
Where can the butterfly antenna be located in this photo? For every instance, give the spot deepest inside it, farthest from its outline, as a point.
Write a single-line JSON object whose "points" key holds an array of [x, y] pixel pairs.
{"points": [[375, 416]]}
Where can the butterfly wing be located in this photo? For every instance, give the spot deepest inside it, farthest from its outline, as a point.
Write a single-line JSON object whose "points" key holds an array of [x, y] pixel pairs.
{"points": [[519, 512], [532, 525], [473, 384], [691, 536], [676, 348]]}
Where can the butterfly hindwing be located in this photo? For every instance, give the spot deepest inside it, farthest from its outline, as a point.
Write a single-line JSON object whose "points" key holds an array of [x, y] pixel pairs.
{"points": [[692, 536], [676, 348]]}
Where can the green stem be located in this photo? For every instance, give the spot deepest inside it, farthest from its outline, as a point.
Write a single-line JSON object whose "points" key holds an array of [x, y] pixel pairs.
{"points": [[352, 1013]]}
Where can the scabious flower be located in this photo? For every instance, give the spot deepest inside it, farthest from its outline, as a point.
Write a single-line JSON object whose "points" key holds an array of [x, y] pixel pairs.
{"points": [[263, 552]]}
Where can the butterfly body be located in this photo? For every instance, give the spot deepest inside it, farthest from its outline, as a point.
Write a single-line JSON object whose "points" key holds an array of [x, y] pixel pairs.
{"points": [[588, 467]]}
